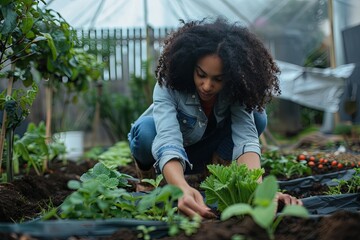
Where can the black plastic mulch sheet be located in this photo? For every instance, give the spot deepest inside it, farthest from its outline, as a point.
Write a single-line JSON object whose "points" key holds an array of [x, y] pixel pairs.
{"points": [[305, 183], [63, 229], [328, 204]]}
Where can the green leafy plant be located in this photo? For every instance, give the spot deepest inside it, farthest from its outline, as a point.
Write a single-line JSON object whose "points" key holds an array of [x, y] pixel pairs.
{"points": [[19, 41], [36, 44], [100, 194], [284, 166], [346, 186], [145, 232], [117, 155], [159, 203], [154, 182], [106, 176], [32, 149], [16, 109], [231, 184], [93, 153], [182, 223], [263, 207]]}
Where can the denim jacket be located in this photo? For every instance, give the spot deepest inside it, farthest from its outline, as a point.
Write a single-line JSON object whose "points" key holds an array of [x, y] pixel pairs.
{"points": [[180, 122]]}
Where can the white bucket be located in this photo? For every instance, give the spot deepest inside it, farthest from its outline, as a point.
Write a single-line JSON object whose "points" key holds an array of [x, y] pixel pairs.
{"points": [[74, 143]]}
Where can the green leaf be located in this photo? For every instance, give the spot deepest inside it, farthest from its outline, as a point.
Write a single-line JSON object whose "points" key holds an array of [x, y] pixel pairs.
{"points": [[112, 183], [87, 177], [10, 17], [265, 192], [27, 23], [76, 198], [169, 191], [102, 178], [148, 200], [100, 168], [73, 184], [21, 149], [295, 211], [51, 45], [264, 216], [103, 205], [238, 209], [39, 38]]}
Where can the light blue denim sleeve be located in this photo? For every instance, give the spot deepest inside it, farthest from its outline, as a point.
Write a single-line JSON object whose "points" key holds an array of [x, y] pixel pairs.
{"points": [[244, 133], [168, 143]]}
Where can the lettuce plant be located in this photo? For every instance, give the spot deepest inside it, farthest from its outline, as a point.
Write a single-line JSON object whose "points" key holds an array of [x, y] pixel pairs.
{"points": [[227, 185], [263, 207], [100, 194]]}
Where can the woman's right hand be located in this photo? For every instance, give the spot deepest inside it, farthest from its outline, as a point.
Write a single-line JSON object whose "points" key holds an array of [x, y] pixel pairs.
{"points": [[192, 203]]}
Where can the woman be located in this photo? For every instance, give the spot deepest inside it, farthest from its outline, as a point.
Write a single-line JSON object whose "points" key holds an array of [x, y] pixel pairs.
{"points": [[213, 82]]}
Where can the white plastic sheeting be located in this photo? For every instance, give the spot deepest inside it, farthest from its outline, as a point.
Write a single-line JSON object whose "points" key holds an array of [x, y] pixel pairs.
{"points": [[157, 13], [316, 88]]}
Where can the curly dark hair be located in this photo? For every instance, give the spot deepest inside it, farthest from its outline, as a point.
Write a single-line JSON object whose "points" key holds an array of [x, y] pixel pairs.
{"points": [[250, 73]]}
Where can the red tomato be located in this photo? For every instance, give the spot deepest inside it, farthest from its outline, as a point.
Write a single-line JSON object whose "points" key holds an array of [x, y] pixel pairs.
{"points": [[311, 158], [340, 165], [321, 160], [325, 160], [334, 163], [320, 166], [301, 157], [311, 163]]}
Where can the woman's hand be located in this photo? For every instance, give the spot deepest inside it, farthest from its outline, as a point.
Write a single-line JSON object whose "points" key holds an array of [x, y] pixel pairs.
{"points": [[192, 203], [287, 199]]}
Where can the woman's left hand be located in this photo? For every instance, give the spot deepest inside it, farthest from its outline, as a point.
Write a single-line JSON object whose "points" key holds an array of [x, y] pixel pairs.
{"points": [[287, 199]]}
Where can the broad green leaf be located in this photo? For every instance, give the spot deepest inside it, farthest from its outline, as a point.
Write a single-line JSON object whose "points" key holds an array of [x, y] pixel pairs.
{"points": [[238, 209], [264, 216], [265, 192], [27, 23], [112, 183], [39, 38], [87, 177], [51, 45], [102, 178], [169, 192], [103, 205], [148, 200], [76, 198], [22, 150], [10, 17], [295, 210], [100, 168], [73, 184]]}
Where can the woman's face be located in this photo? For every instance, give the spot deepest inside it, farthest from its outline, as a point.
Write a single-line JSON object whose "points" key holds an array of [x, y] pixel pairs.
{"points": [[208, 76]]}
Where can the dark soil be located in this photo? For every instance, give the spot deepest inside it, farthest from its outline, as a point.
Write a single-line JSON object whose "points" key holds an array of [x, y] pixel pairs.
{"points": [[26, 197]]}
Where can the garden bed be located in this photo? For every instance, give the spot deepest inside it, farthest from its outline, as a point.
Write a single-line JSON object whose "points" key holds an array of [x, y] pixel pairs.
{"points": [[25, 198]]}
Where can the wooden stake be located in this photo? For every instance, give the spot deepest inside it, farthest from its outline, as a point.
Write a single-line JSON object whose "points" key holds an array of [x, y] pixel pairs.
{"points": [[3, 127]]}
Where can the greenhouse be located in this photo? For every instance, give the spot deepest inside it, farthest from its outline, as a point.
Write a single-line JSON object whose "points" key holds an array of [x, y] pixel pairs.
{"points": [[187, 119]]}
